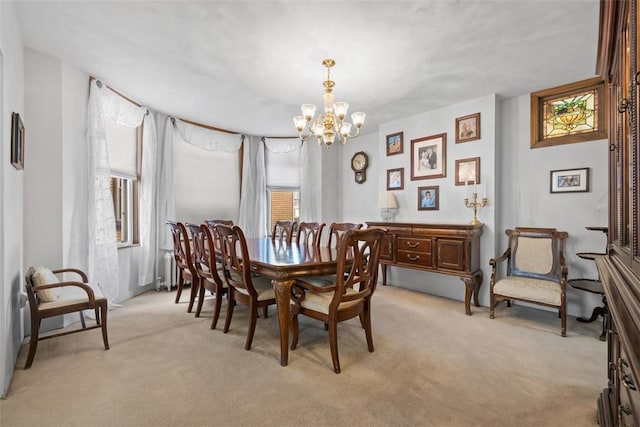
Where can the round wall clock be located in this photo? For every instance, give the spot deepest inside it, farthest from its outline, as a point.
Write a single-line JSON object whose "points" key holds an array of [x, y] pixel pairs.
{"points": [[359, 164]]}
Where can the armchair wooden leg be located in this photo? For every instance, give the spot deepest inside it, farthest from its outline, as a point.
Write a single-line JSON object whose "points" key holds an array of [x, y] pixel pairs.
{"points": [[333, 343], [367, 329], [103, 320], [295, 331], [253, 317], [33, 343]]}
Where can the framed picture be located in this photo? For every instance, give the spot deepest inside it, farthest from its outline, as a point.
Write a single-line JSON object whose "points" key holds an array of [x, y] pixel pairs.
{"points": [[395, 179], [468, 171], [429, 157], [429, 198], [569, 113], [395, 143], [468, 128], [17, 141], [569, 180]]}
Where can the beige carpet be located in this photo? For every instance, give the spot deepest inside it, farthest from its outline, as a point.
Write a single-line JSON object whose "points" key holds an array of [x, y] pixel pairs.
{"points": [[432, 366]]}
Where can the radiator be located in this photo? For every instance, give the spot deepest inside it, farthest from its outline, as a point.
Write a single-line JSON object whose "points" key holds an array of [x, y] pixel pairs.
{"points": [[169, 270]]}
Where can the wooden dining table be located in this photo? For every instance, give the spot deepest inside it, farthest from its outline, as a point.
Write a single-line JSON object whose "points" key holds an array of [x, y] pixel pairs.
{"points": [[284, 263]]}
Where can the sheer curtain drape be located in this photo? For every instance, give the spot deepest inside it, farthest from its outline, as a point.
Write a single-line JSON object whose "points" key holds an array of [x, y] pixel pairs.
{"points": [[253, 200], [102, 247]]}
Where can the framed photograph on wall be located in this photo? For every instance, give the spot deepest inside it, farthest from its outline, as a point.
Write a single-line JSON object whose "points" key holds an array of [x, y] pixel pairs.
{"points": [[17, 141], [468, 171], [429, 157], [395, 179], [395, 143], [569, 181], [429, 198], [468, 128]]}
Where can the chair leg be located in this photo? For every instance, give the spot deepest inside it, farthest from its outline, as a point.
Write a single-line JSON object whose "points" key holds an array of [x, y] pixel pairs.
{"points": [[333, 343], [201, 293], [230, 304], [195, 286], [295, 331], [33, 342], [366, 318], [265, 311], [253, 317], [563, 322], [180, 286], [216, 312], [103, 319], [82, 322]]}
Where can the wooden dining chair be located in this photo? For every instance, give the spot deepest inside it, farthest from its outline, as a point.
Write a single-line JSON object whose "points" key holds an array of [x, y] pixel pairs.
{"points": [[213, 259], [283, 231], [309, 233], [212, 222], [184, 263], [251, 291], [349, 296]]}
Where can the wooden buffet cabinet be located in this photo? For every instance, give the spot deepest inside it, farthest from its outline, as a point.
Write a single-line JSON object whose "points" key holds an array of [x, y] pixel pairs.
{"points": [[452, 249], [619, 269]]}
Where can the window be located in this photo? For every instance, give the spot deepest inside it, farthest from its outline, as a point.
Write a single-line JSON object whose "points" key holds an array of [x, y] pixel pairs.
{"points": [[283, 186], [125, 148]]}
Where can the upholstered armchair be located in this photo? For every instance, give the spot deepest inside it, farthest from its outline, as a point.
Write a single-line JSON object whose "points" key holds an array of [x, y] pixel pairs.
{"points": [[535, 271]]}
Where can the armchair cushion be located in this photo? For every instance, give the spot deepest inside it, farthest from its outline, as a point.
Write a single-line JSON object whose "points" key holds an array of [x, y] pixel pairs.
{"points": [[44, 276], [71, 295], [320, 301], [534, 255], [543, 291]]}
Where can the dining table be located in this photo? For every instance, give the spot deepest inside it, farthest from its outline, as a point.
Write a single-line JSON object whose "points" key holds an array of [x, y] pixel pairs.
{"points": [[284, 263]]}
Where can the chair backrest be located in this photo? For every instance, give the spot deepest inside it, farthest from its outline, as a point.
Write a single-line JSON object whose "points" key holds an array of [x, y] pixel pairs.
{"points": [[181, 246], [309, 233], [536, 252], [358, 260], [200, 254], [337, 230], [236, 267], [212, 222], [212, 251], [283, 231]]}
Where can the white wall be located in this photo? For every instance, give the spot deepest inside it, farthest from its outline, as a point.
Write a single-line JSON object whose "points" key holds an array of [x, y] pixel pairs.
{"points": [[517, 183], [11, 194]]}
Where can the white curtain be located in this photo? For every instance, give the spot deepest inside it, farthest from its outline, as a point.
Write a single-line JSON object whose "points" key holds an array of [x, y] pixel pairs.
{"points": [[208, 139], [166, 202], [253, 199], [103, 252], [310, 174], [147, 213]]}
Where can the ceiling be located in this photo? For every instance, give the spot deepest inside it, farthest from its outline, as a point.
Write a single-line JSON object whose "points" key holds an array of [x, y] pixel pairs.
{"points": [[246, 66]]}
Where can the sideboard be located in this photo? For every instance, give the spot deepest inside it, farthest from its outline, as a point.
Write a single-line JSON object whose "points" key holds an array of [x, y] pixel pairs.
{"points": [[452, 249]]}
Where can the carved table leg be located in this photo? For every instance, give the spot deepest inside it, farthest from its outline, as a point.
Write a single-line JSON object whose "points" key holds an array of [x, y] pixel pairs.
{"points": [[283, 291], [469, 286], [477, 280]]}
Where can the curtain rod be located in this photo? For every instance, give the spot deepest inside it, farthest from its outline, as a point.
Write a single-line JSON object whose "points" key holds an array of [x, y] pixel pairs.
{"points": [[186, 121]]}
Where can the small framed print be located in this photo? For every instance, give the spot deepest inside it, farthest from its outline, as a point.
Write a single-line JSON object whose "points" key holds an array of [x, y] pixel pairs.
{"points": [[468, 171], [395, 179], [429, 157], [569, 181], [429, 198], [395, 143], [468, 128], [17, 141]]}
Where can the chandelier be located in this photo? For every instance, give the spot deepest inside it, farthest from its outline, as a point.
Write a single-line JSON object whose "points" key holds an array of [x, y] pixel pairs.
{"points": [[330, 124]]}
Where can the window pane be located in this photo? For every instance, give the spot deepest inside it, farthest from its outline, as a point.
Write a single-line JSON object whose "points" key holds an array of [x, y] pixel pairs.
{"points": [[120, 191], [284, 205]]}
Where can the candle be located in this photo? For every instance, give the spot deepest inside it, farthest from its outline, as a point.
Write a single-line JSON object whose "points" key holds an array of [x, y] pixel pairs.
{"points": [[484, 188], [466, 188]]}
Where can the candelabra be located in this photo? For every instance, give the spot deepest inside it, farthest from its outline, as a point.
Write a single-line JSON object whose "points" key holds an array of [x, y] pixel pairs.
{"points": [[475, 204]]}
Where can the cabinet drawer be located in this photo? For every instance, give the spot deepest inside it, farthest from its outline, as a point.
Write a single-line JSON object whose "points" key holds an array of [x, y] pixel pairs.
{"points": [[423, 259], [414, 244]]}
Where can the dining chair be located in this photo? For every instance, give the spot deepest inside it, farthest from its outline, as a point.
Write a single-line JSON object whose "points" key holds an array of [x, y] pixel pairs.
{"points": [[251, 291], [283, 231], [184, 263], [212, 222], [309, 233], [336, 232], [204, 262], [349, 296], [213, 261]]}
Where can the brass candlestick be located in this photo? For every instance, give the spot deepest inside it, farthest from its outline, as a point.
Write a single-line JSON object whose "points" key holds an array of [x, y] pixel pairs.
{"points": [[475, 205]]}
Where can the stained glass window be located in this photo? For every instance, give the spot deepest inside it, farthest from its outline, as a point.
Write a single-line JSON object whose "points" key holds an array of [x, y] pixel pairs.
{"points": [[571, 115]]}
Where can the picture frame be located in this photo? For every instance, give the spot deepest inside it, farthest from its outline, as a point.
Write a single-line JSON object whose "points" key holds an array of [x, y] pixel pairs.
{"points": [[395, 179], [569, 180], [468, 128], [429, 198], [569, 113], [395, 143], [429, 157], [468, 171], [17, 141]]}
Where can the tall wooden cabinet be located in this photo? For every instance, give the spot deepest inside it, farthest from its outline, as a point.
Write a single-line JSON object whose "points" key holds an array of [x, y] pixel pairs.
{"points": [[619, 270]]}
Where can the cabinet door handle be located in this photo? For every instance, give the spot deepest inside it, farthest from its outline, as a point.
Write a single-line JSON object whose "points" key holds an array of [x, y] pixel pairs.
{"points": [[410, 258], [625, 409], [413, 245], [628, 383]]}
